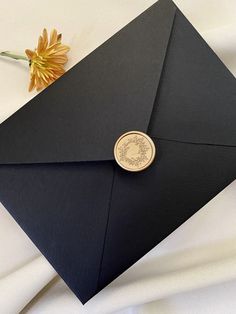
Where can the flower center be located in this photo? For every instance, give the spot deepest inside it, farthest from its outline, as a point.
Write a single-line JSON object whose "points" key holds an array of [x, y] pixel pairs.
{"points": [[40, 62]]}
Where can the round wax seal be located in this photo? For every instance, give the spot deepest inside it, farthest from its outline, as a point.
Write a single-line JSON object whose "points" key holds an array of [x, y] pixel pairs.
{"points": [[134, 151]]}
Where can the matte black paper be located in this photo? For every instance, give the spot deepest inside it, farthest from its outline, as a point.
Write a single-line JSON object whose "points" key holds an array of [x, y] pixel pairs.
{"points": [[91, 219]]}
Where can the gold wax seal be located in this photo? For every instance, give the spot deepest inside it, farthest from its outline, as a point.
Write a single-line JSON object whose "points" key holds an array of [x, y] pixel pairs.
{"points": [[134, 151]]}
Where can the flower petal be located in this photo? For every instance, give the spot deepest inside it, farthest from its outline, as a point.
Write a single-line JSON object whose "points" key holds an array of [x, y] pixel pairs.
{"points": [[52, 48], [59, 38], [32, 83], [53, 37], [38, 83], [40, 45], [45, 39], [59, 59], [62, 50], [30, 54]]}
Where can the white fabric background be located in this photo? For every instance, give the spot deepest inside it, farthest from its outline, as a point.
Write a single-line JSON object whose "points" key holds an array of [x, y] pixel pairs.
{"points": [[193, 271]]}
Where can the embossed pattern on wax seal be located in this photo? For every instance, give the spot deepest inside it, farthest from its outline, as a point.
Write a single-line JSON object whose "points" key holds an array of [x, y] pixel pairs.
{"points": [[134, 151]]}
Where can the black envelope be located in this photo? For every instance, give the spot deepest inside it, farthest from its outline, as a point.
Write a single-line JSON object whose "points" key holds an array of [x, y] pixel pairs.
{"points": [[58, 177]]}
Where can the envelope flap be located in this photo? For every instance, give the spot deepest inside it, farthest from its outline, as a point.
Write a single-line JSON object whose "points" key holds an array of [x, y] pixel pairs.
{"points": [[111, 91], [196, 101]]}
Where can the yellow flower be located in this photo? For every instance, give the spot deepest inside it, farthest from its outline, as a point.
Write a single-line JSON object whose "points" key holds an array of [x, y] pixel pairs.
{"points": [[47, 60]]}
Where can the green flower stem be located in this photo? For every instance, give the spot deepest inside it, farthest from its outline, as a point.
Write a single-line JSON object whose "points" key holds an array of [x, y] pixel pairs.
{"points": [[13, 56]]}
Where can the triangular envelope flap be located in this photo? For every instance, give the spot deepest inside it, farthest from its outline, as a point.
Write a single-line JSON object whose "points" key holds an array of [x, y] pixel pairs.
{"points": [[110, 92], [196, 99], [64, 215]]}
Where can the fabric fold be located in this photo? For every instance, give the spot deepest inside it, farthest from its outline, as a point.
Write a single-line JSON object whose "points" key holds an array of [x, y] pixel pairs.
{"points": [[20, 287], [163, 286]]}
